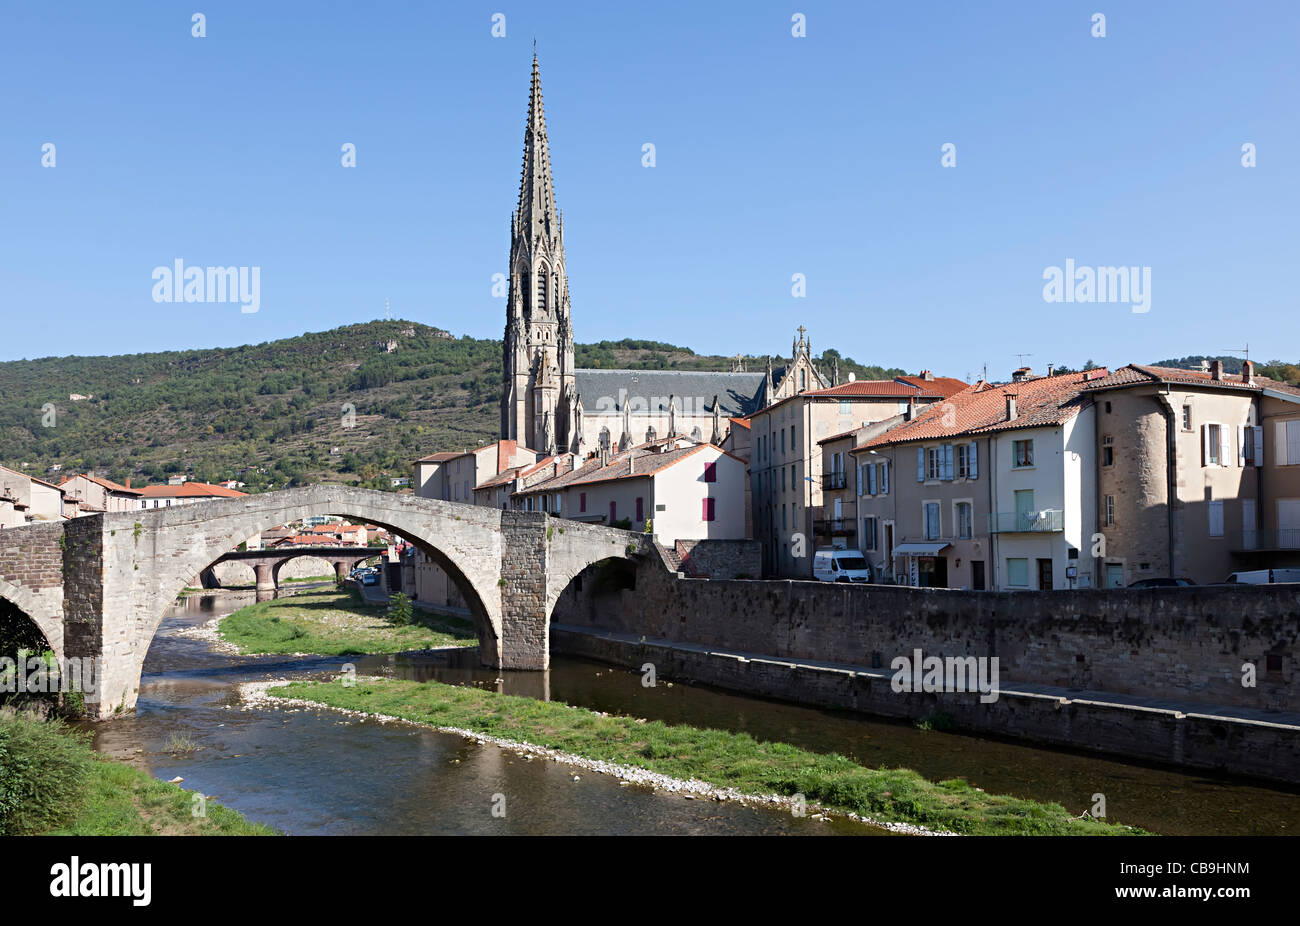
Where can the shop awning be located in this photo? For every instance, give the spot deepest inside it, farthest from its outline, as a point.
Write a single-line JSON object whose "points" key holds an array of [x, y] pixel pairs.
{"points": [[930, 548]]}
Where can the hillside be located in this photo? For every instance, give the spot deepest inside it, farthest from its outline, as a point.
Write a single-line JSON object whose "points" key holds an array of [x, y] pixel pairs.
{"points": [[273, 414]]}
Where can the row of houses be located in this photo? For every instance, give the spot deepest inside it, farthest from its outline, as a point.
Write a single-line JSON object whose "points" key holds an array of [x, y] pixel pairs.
{"points": [[1071, 480], [26, 499]]}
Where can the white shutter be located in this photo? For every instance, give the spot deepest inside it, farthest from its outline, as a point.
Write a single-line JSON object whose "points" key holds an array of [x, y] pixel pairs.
{"points": [[1293, 442], [1216, 519], [1279, 443], [1205, 445], [1257, 436], [1225, 445], [974, 460], [1241, 445], [1248, 523]]}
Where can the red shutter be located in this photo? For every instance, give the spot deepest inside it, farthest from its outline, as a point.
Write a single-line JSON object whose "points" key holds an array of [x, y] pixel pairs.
{"points": [[711, 472], [613, 512], [640, 511], [707, 513], [582, 501]]}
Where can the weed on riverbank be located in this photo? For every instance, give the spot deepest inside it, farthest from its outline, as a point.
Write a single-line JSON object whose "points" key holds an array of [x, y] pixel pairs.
{"points": [[721, 758]]}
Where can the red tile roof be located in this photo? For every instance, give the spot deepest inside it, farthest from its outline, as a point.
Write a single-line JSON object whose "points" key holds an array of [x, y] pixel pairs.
{"points": [[743, 422], [438, 457], [982, 409], [623, 466], [1136, 374], [190, 490], [944, 385], [106, 483], [887, 388]]}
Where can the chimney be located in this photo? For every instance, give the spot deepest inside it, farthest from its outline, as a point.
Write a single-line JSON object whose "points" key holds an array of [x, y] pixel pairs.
{"points": [[1216, 371], [1011, 406], [128, 482], [1020, 375], [1050, 367], [911, 408], [1247, 373]]}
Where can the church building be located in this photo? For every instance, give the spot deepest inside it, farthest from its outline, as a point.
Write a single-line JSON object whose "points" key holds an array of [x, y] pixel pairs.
{"points": [[552, 407]]}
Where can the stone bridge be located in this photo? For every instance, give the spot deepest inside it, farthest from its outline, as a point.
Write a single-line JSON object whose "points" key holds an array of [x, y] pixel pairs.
{"points": [[267, 563], [98, 586]]}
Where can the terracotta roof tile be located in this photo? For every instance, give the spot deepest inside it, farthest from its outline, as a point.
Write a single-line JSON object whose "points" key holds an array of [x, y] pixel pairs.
{"points": [[189, 490]]}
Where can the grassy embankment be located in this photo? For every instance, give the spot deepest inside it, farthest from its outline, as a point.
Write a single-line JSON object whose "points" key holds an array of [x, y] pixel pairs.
{"points": [[718, 757], [52, 782], [337, 623]]}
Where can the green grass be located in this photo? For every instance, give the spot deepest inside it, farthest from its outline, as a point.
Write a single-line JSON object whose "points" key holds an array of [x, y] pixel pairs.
{"points": [[719, 757], [334, 623], [52, 782]]}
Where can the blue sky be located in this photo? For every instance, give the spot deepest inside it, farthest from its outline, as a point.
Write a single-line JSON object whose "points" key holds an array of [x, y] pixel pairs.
{"points": [[775, 155]]}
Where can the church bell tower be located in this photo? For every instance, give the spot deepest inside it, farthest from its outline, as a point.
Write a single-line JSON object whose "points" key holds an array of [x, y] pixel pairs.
{"points": [[538, 388]]}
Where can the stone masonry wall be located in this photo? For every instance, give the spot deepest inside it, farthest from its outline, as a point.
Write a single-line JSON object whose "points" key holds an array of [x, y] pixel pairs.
{"points": [[31, 575], [1183, 643]]}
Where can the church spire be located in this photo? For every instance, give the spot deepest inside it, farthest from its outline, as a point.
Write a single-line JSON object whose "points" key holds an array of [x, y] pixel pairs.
{"points": [[537, 214]]}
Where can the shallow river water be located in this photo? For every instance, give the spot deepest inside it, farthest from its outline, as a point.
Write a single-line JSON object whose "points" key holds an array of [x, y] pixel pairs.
{"points": [[321, 772]]}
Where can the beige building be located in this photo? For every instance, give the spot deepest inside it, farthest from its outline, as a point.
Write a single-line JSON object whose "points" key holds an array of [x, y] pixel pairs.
{"points": [[1276, 539], [786, 464], [682, 489], [95, 494], [1179, 462], [25, 499]]}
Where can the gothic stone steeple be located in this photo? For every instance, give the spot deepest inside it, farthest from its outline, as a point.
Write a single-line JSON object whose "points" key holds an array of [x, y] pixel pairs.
{"points": [[538, 350]]}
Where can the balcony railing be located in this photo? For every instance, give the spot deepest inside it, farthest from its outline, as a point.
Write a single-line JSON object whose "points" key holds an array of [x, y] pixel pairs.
{"points": [[833, 479], [833, 526], [1285, 539], [1027, 522]]}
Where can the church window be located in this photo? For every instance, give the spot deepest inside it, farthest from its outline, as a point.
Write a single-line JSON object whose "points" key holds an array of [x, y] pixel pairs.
{"points": [[803, 380], [604, 440]]}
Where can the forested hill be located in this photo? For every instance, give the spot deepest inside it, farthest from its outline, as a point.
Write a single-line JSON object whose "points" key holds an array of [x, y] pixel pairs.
{"points": [[274, 414]]}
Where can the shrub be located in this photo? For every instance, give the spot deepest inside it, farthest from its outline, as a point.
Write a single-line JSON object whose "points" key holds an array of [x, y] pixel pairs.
{"points": [[43, 773]]}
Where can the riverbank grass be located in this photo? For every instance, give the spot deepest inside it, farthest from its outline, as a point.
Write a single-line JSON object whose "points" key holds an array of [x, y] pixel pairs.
{"points": [[53, 783], [331, 622], [721, 758]]}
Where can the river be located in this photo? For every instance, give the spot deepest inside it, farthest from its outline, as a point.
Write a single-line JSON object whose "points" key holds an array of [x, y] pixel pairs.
{"points": [[321, 772]]}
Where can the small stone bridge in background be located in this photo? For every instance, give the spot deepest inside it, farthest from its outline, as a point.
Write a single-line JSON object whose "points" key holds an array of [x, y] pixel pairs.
{"points": [[267, 563], [98, 586]]}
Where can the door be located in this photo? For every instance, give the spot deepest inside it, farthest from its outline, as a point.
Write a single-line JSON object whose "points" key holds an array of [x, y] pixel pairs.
{"points": [[1024, 509], [1045, 573], [977, 575], [1248, 538], [889, 548], [1114, 575], [1288, 523]]}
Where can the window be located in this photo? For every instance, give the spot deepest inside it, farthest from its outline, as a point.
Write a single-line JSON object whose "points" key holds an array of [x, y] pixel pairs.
{"points": [[934, 463], [846, 407], [782, 478], [1216, 519], [1022, 453], [964, 516], [792, 445], [582, 501], [882, 478], [1108, 408], [613, 512], [640, 509], [1287, 439], [1110, 511], [711, 472], [708, 508], [783, 522], [932, 523], [783, 440], [1018, 573], [1187, 417], [1213, 445], [963, 460], [1108, 451], [869, 533]]}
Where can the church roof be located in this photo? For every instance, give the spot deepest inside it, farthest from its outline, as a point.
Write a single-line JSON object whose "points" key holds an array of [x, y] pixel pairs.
{"points": [[602, 391]]}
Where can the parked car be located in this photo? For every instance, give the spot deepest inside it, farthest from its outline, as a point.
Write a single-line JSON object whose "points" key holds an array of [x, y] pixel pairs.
{"points": [[836, 565], [1162, 582], [1263, 576], [370, 578]]}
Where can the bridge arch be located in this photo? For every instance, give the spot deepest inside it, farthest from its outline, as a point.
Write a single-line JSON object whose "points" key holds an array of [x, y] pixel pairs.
{"points": [[40, 608]]}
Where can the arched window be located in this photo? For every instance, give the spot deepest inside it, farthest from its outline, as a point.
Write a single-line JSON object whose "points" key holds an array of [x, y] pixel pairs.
{"points": [[696, 434], [543, 278], [803, 380], [604, 438], [650, 434]]}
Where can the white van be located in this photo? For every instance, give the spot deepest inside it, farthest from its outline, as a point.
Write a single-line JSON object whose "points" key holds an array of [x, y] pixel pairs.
{"points": [[835, 565], [1263, 577]]}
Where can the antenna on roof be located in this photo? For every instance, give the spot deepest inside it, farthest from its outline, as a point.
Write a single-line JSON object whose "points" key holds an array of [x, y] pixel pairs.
{"points": [[388, 317], [1240, 350], [1021, 358]]}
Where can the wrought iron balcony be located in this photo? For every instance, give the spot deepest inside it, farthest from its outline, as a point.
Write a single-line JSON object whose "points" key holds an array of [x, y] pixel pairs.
{"points": [[833, 479], [833, 526], [1027, 522]]}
